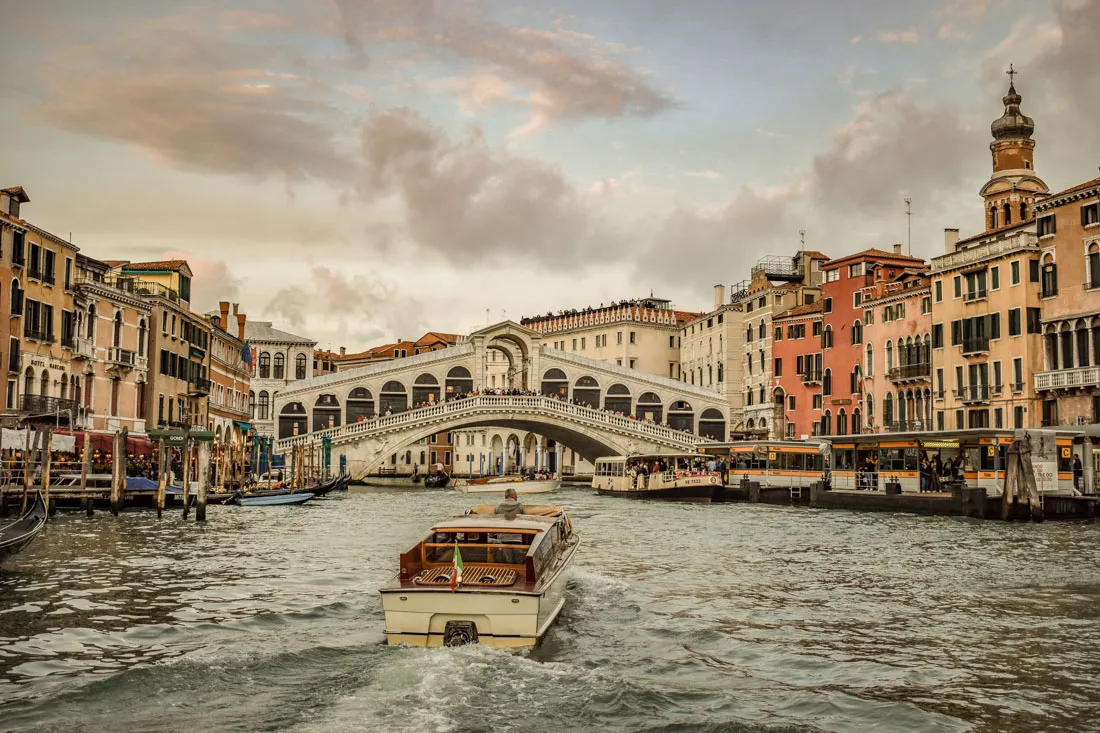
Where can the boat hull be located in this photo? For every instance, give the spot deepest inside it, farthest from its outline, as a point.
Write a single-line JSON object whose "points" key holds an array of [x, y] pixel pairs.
{"points": [[298, 498], [698, 493], [20, 533]]}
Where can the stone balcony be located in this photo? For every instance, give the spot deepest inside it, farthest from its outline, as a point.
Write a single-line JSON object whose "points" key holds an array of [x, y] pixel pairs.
{"points": [[1068, 378]]}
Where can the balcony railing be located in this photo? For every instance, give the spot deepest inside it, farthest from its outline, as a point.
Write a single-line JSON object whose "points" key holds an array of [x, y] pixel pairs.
{"points": [[39, 335], [41, 405], [121, 357], [973, 295], [68, 342], [1066, 378], [811, 377], [973, 393], [83, 348], [907, 426], [908, 372], [1048, 292], [1017, 386], [975, 345], [131, 285], [198, 386]]}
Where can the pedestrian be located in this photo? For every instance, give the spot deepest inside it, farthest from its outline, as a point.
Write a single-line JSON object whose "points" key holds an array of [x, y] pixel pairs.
{"points": [[1078, 471]]}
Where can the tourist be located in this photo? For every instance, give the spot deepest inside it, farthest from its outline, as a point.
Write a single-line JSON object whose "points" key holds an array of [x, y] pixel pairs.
{"points": [[510, 507], [1078, 471]]}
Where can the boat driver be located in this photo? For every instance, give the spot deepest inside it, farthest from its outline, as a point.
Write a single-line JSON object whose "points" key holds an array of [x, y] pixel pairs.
{"points": [[510, 507]]}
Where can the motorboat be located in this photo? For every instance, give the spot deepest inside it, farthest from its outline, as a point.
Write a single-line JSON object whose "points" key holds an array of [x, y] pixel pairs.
{"points": [[482, 578], [500, 484], [677, 476], [20, 533]]}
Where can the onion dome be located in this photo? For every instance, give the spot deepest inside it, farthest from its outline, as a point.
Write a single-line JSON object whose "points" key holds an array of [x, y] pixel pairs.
{"points": [[1013, 123]]}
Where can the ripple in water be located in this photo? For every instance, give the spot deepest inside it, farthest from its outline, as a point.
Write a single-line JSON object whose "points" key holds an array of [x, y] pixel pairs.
{"points": [[678, 618]]}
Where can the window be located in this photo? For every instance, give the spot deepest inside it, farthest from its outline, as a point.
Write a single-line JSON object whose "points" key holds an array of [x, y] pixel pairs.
{"points": [[857, 298], [817, 402], [279, 371], [857, 332], [1018, 416], [939, 291], [778, 333], [761, 331], [671, 341], [779, 367], [856, 269], [631, 337], [831, 276], [1018, 375], [869, 368], [1014, 324], [263, 404], [1015, 272], [300, 366], [939, 420], [1090, 214], [827, 305], [1093, 261], [1034, 320], [958, 286], [959, 422], [632, 361], [1033, 270], [997, 384], [827, 383], [618, 339], [1047, 225], [790, 402], [265, 365], [869, 316], [816, 329], [584, 343], [748, 335], [939, 383], [925, 306], [574, 344], [994, 278], [1049, 286]]}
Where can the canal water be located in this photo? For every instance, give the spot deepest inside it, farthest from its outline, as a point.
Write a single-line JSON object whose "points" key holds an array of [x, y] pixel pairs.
{"points": [[679, 618]]}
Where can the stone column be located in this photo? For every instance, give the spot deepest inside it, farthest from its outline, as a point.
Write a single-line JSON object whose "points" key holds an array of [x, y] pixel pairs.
{"points": [[558, 448]]}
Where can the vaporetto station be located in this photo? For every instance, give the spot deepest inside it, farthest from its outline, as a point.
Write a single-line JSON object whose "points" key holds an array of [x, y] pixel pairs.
{"points": [[592, 407]]}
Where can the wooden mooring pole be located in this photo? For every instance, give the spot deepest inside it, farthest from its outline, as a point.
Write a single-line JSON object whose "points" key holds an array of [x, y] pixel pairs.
{"points": [[204, 480], [118, 471], [48, 441], [162, 476], [28, 475], [186, 473], [85, 464]]}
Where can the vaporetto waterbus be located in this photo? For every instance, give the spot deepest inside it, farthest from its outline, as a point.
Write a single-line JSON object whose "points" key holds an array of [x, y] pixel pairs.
{"points": [[872, 460]]}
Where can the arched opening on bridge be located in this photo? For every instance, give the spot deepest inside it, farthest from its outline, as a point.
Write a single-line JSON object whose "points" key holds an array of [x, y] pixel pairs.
{"points": [[530, 451], [681, 416], [360, 405], [393, 398], [426, 390], [512, 454], [292, 420], [649, 407], [712, 424], [617, 399], [496, 454], [519, 355], [326, 412], [555, 384], [586, 391], [459, 382]]}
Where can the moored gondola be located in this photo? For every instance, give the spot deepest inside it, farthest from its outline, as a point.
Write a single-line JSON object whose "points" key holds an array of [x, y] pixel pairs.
{"points": [[20, 533], [437, 481]]}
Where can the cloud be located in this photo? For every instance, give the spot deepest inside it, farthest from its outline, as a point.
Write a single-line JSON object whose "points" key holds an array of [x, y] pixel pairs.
{"points": [[768, 133], [708, 174], [211, 284], [906, 36], [855, 40], [950, 32]]}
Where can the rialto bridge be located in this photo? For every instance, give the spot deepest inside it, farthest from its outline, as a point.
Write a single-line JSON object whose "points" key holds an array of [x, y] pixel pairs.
{"points": [[593, 407]]}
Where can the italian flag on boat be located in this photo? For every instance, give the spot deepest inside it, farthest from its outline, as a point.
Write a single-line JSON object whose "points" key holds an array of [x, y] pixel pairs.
{"points": [[456, 574]]}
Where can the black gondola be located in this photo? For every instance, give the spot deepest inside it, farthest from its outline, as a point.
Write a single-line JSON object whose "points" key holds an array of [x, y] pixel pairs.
{"points": [[325, 487], [342, 483], [437, 481], [22, 531]]}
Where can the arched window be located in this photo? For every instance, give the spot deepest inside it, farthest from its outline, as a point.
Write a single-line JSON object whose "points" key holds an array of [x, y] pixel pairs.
{"points": [[887, 410], [116, 336], [857, 427], [16, 298], [252, 404], [279, 370], [827, 338], [993, 223], [142, 333], [265, 365], [761, 330], [300, 366], [827, 383], [263, 405], [1094, 265], [28, 382], [827, 423], [857, 332], [889, 356], [842, 423], [1023, 211], [869, 403], [1050, 277], [45, 383], [748, 335], [869, 368], [1008, 213], [91, 323]]}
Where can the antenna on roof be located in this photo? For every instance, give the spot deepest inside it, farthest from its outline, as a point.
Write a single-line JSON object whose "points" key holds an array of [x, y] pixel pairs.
{"points": [[909, 222], [802, 238]]}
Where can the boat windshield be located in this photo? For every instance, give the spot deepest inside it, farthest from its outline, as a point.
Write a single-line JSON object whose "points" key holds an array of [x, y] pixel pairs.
{"points": [[507, 548]]}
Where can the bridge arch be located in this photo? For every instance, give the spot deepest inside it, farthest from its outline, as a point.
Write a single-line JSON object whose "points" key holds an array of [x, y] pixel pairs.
{"points": [[681, 416], [425, 389], [555, 384], [586, 391], [458, 382], [292, 419], [618, 399], [360, 405], [393, 398], [712, 424], [650, 407], [326, 412]]}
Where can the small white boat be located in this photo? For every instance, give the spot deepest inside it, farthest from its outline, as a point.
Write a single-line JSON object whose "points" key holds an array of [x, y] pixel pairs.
{"points": [[482, 578], [500, 484]]}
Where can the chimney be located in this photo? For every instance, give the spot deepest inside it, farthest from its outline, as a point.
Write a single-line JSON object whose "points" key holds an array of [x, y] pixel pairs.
{"points": [[236, 307], [241, 318], [343, 350], [719, 296], [897, 249], [223, 306], [950, 239]]}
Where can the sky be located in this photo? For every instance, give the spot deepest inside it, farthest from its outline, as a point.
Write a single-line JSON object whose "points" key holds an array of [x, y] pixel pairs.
{"points": [[359, 171]]}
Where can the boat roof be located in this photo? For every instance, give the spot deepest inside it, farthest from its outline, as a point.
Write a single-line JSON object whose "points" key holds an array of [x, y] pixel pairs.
{"points": [[637, 456]]}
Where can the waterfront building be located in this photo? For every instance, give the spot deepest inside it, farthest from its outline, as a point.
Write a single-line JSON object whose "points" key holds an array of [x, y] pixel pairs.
{"points": [[41, 318], [278, 359], [11, 303], [796, 366], [897, 351], [988, 291], [637, 334], [328, 361], [712, 351], [110, 364], [178, 342], [230, 374], [777, 284], [1068, 230]]}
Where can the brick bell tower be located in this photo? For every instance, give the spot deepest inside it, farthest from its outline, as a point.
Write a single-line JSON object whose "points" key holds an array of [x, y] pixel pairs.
{"points": [[1013, 188]]}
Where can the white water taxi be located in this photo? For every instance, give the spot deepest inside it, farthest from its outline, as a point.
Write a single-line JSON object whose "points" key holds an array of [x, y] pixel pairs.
{"points": [[677, 476], [500, 484], [482, 578]]}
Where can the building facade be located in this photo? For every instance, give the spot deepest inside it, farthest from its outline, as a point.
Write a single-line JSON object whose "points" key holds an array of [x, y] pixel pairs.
{"points": [[897, 351], [278, 358], [229, 372], [796, 364], [712, 352]]}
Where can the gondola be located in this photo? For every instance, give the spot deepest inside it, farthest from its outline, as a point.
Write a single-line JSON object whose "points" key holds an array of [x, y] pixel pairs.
{"points": [[437, 481], [20, 533], [325, 487], [285, 497]]}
